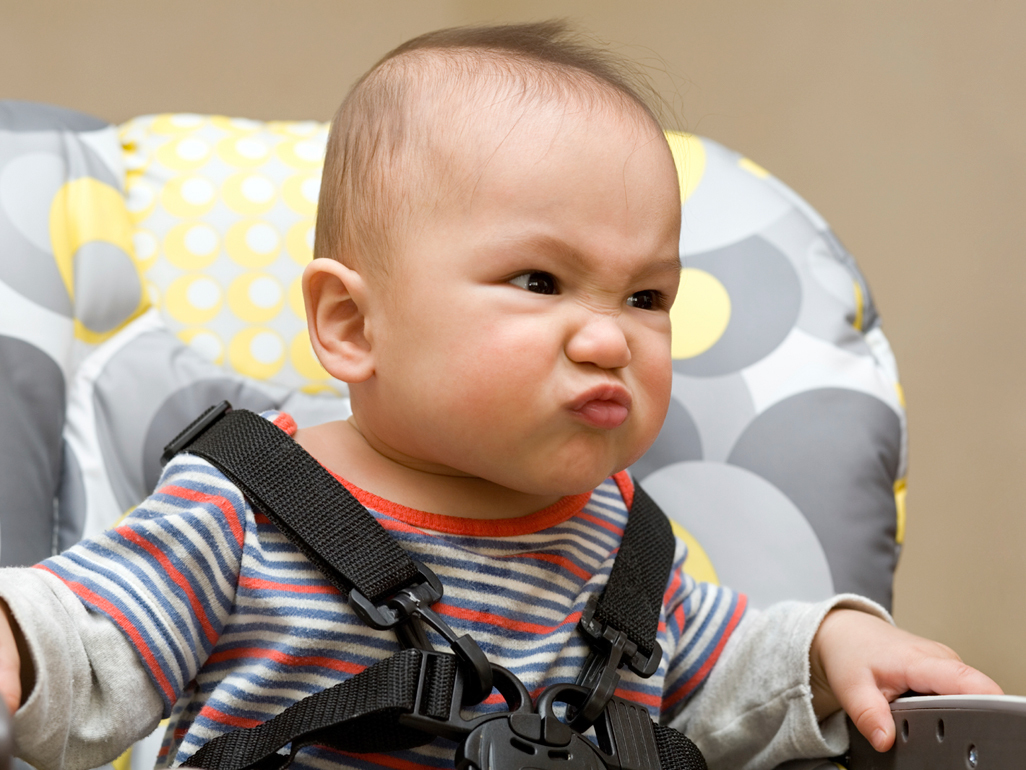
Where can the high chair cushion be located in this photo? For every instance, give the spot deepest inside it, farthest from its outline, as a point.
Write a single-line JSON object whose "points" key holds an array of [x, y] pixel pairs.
{"points": [[781, 461]]}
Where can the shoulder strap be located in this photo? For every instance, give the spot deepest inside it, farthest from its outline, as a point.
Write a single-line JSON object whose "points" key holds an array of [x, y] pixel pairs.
{"points": [[304, 501]]}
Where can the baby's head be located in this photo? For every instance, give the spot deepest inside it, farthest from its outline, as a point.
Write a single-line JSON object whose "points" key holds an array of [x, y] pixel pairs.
{"points": [[500, 214]]}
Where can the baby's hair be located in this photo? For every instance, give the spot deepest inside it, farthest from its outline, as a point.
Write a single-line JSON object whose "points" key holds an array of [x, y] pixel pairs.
{"points": [[381, 141]]}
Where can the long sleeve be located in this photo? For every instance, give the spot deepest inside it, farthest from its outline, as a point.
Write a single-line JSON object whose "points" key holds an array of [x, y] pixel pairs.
{"points": [[754, 710], [92, 697]]}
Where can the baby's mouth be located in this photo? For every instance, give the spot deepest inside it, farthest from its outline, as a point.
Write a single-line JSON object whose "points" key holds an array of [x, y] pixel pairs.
{"points": [[605, 407]]}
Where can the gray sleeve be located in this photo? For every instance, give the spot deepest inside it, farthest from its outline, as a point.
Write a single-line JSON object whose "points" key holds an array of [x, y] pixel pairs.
{"points": [[92, 697], [755, 709]]}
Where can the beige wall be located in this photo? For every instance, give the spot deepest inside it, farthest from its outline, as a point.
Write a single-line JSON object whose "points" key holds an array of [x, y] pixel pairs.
{"points": [[902, 122]]}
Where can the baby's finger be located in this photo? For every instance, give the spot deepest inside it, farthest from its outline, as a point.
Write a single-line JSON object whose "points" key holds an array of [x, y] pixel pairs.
{"points": [[871, 713], [946, 676]]}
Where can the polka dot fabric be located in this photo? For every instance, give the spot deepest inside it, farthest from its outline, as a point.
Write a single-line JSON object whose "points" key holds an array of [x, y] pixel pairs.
{"points": [[224, 218]]}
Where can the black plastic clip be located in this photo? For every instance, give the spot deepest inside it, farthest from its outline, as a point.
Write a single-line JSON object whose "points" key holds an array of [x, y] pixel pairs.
{"points": [[405, 611], [611, 648], [194, 430]]}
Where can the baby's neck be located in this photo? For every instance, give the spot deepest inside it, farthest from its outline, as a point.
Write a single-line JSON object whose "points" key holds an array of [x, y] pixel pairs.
{"points": [[342, 449]]}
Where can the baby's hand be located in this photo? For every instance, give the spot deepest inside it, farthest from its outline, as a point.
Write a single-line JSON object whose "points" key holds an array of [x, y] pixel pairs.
{"points": [[860, 663], [10, 662]]}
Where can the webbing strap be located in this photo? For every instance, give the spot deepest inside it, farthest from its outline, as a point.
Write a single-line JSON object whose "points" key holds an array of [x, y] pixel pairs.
{"points": [[633, 597], [307, 504], [361, 714]]}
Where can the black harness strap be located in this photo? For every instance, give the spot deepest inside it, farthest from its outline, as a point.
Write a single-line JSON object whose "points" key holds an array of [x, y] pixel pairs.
{"points": [[360, 714], [374, 710], [303, 500], [633, 597]]}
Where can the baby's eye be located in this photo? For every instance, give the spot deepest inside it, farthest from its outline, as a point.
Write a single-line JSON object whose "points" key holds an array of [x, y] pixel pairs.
{"points": [[645, 300], [537, 282]]}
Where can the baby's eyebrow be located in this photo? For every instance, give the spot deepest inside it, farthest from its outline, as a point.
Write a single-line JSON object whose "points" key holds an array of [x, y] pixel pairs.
{"points": [[542, 243]]}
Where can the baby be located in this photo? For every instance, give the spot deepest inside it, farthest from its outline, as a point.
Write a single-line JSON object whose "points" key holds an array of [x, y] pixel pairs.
{"points": [[496, 257]]}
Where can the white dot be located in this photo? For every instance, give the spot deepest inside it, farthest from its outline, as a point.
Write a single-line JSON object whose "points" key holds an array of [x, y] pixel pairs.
{"points": [[186, 120], [266, 347], [265, 292], [257, 189], [197, 191], [203, 294], [262, 238], [140, 197], [244, 124], [200, 240], [145, 244], [311, 189], [207, 345], [192, 149], [251, 148], [310, 238], [311, 150], [153, 293]]}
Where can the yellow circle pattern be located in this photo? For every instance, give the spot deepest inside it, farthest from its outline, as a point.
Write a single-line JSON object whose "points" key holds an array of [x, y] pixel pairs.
{"points": [[252, 243], [257, 352], [204, 342], [185, 154], [194, 298], [700, 313], [192, 245], [243, 151], [188, 196], [306, 154], [249, 193], [300, 193], [223, 212], [255, 297]]}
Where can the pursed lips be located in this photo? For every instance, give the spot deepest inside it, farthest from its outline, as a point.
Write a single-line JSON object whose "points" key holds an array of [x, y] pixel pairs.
{"points": [[604, 406]]}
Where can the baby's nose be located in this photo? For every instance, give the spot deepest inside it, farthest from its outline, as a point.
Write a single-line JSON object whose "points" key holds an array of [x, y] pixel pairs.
{"points": [[601, 342]]}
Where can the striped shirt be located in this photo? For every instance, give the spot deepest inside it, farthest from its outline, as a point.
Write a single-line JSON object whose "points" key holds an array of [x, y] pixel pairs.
{"points": [[234, 624]]}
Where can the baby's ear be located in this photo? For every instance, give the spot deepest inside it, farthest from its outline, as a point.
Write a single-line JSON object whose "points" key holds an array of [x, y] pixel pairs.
{"points": [[336, 302]]}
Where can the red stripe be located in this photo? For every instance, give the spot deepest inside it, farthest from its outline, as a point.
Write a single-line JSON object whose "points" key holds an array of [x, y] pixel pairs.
{"points": [[125, 625], [675, 583], [680, 617], [176, 576], [225, 506], [618, 531], [699, 676], [559, 561], [476, 616], [259, 584], [645, 699], [216, 715], [284, 658]]}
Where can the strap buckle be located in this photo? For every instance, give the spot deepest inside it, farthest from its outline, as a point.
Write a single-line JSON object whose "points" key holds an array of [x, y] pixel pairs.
{"points": [[194, 430], [603, 675], [407, 609]]}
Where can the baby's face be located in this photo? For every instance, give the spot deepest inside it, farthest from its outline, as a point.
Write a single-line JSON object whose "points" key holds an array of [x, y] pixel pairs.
{"points": [[528, 335]]}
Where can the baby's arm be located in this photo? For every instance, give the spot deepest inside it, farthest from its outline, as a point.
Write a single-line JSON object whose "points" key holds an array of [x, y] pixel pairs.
{"points": [[860, 663], [86, 695], [754, 710]]}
